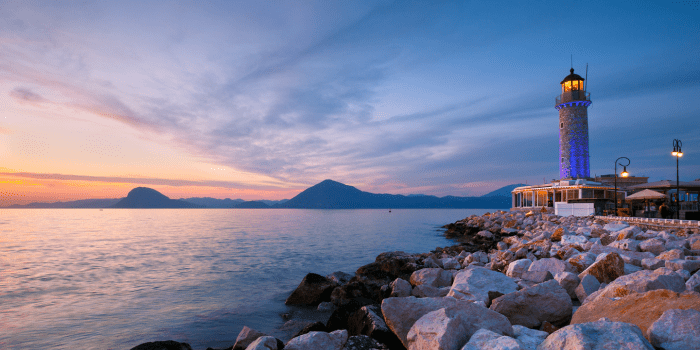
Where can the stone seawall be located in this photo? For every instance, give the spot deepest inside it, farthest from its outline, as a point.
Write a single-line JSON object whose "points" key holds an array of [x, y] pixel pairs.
{"points": [[515, 280]]}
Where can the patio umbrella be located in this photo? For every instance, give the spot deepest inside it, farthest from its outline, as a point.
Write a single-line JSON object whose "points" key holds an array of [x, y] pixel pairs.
{"points": [[646, 194]]}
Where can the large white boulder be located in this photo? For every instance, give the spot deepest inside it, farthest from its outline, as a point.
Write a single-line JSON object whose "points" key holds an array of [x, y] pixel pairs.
{"points": [[529, 339], [319, 341], [531, 306], [400, 288], [246, 337], [476, 283], [484, 339], [676, 330], [263, 343], [644, 281], [401, 313], [598, 335], [552, 265], [517, 267], [435, 277], [442, 329]]}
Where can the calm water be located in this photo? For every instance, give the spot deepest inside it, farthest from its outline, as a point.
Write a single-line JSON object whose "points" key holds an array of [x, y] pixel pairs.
{"points": [[112, 279]]}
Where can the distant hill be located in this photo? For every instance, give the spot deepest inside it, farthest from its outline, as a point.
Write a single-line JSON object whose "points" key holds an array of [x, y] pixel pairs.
{"points": [[144, 197], [330, 194], [83, 203], [503, 191], [208, 202], [252, 205]]}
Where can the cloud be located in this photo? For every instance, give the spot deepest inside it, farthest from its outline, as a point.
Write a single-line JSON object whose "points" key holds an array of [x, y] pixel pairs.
{"points": [[26, 95], [139, 181]]}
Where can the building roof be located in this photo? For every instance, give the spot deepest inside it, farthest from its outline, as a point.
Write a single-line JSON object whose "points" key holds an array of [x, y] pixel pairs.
{"points": [[571, 76], [667, 184]]}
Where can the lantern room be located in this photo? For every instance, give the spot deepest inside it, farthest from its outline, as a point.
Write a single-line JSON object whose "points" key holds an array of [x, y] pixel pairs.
{"points": [[572, 82]]}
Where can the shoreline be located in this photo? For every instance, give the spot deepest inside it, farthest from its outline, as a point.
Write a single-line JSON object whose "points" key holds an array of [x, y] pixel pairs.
{"points": [[501, 259]]}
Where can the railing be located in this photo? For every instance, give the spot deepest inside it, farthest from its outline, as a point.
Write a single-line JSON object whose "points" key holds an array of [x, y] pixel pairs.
{"points": [[571, 96]]}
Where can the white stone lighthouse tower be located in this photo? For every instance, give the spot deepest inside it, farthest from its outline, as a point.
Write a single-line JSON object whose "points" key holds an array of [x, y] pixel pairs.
{"points": [[572, 105]]}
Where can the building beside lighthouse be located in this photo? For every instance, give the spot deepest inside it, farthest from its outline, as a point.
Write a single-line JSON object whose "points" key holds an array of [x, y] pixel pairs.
{"points": [[575, 192]]}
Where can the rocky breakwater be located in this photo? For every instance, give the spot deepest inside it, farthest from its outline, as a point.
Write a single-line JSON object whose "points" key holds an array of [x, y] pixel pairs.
{"points": [[515, 281]]}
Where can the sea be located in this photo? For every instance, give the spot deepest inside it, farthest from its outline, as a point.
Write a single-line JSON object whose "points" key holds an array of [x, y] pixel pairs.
{"points": [[116, 278]]}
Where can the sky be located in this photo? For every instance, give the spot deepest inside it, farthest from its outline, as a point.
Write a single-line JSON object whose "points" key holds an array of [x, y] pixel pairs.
{"points": [[262, 99]]}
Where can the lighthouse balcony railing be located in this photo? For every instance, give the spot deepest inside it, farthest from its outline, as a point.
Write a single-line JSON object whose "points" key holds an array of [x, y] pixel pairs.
{"points": [[571, 96]]}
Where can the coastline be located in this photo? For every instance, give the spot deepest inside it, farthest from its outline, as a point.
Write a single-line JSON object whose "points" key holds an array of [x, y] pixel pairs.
{"points": [[501, 258]]}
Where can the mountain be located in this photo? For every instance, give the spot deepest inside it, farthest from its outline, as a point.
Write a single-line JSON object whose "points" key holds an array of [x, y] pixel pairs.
{"points": [[144, 197], [330, 194], [503, 191]]}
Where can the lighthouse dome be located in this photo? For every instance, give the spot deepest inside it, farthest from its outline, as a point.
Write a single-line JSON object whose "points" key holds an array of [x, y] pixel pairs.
{"points": [[571, 77]]}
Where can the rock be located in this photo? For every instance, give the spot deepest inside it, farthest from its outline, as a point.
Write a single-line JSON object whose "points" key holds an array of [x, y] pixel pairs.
{"points": [[451, 264], [693, 283], [245, 337], [606, 269], [531, 306], [653, 263], [485, 234], [312, 327], [401, 313], [263, 343], [552, 265], [428, 291], [163, 345], [641, 309], [529, 339], [683, 264], [339, 277], [588, 286], [630, 269], [319, 340], [558, 234], [537, 276], [312, 290], [581, 261], [325, 306], [369, 321], [363, 342], [435, 277], [517, 267], [388, 267], [339, 317], [613, 227], [440, 329], [625, 254], [569, 281], [626, 244], [484, 339], [475, 284], [598, 335], [501, 245], [672, 254], [576, 241], [643, 281], [400, 288], [676, 329], [654, 246]]}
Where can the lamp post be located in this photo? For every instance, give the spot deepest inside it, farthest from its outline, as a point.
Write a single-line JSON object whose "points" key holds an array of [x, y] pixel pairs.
{"points": [[677, 153], [623, 174]]}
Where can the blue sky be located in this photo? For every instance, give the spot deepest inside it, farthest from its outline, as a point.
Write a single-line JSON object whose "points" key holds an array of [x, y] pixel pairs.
{"points": [[261, 99]]}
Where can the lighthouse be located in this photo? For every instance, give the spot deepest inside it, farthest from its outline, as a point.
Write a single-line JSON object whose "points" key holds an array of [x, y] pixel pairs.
{"points": [[572, 105]]}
